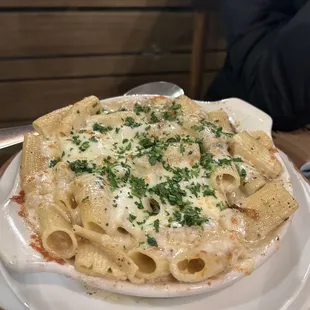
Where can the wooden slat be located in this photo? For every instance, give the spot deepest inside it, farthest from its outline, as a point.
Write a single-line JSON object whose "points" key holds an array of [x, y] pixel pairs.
{"points": [[30, 99], [84, 33], [95, 3], [102, 65], [197, 59], [215, 38]]}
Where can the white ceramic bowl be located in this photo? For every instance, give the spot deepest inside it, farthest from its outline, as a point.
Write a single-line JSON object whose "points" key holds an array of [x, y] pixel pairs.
{"points": [[15, 235]]}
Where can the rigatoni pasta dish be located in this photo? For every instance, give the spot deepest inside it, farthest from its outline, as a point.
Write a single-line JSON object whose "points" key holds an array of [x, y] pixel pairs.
{"points": [[151, 190]]}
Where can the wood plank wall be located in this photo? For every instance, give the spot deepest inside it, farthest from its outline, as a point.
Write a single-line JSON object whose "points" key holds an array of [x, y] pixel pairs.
{"points": [[54, 52]]}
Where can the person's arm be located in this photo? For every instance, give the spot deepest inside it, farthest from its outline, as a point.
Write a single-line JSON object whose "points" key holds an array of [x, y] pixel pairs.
{"points": [[269, 51]]}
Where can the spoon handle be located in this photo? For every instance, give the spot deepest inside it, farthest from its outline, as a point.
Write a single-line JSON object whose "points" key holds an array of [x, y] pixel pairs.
{"points": [[13, 135]]}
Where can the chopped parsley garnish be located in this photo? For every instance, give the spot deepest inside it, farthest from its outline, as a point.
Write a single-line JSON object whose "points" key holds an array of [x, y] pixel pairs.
{"points": [[194, 189], [85, 198], [131, 218], [221, 206], [154, 119], [125, 140], [189, 216], [208, 191], [129, 121], [169, 191], [101, 129], [108, 170], [224, 161], [237, 160], [156, 225], [146, 142], [80, 166], [151, 241], [183, 173], [138, 186], [95, 104], [168, 116], [53, 163], [93, 139], [76, 140], [84, 146], [138, 109], [216, 130], [198, 128], [139, 204], [242, 173]]}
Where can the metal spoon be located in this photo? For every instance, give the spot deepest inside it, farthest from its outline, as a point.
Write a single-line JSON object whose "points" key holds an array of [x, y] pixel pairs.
{"points": [[157, 88], [15, 135]]}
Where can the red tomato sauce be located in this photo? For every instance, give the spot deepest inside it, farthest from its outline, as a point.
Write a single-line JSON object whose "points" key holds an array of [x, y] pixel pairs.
{"points": [[37, 245], [36, 242], [20, 199]]}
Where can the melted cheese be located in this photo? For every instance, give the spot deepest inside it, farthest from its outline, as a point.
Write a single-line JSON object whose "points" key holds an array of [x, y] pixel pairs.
{"points": [[152, 167]]}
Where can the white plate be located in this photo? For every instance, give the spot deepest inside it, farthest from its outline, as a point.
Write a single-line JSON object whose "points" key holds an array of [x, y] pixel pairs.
{"points": [[282, 283], [15, 237]]}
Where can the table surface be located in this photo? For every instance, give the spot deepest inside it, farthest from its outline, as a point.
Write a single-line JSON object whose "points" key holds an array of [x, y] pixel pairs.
{"points": [[295, 144]]}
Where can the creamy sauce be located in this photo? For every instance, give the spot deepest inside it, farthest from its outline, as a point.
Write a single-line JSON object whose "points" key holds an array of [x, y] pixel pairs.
{"points": [[156, 181]]}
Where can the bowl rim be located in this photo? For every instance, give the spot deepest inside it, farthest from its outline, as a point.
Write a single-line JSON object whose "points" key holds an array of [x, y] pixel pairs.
{"points": [[161, 290]]}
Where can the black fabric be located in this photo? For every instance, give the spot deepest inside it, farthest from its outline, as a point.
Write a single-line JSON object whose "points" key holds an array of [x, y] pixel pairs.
{"points": [[268, 58]]}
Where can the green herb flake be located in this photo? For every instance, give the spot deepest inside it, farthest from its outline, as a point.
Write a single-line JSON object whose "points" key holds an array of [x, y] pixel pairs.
{"points": [[189, 216], [76, 140], [101, 129], [198, 128], [85, 198], [194, 189], [130, 122], [156, 225], [95, 104], [220, 206], [53, 163], [208, 191], [154, 119], [139, 205], [138, 109], [138, 186], [169, 191], [84, 146], [131, 218], [151, 241], [93, 139], [242, 173], [169, 116], [237, 160], [80, 166]]}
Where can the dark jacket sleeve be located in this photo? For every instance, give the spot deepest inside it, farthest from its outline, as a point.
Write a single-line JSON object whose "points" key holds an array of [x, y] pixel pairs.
{"points": [[269, 53]]}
